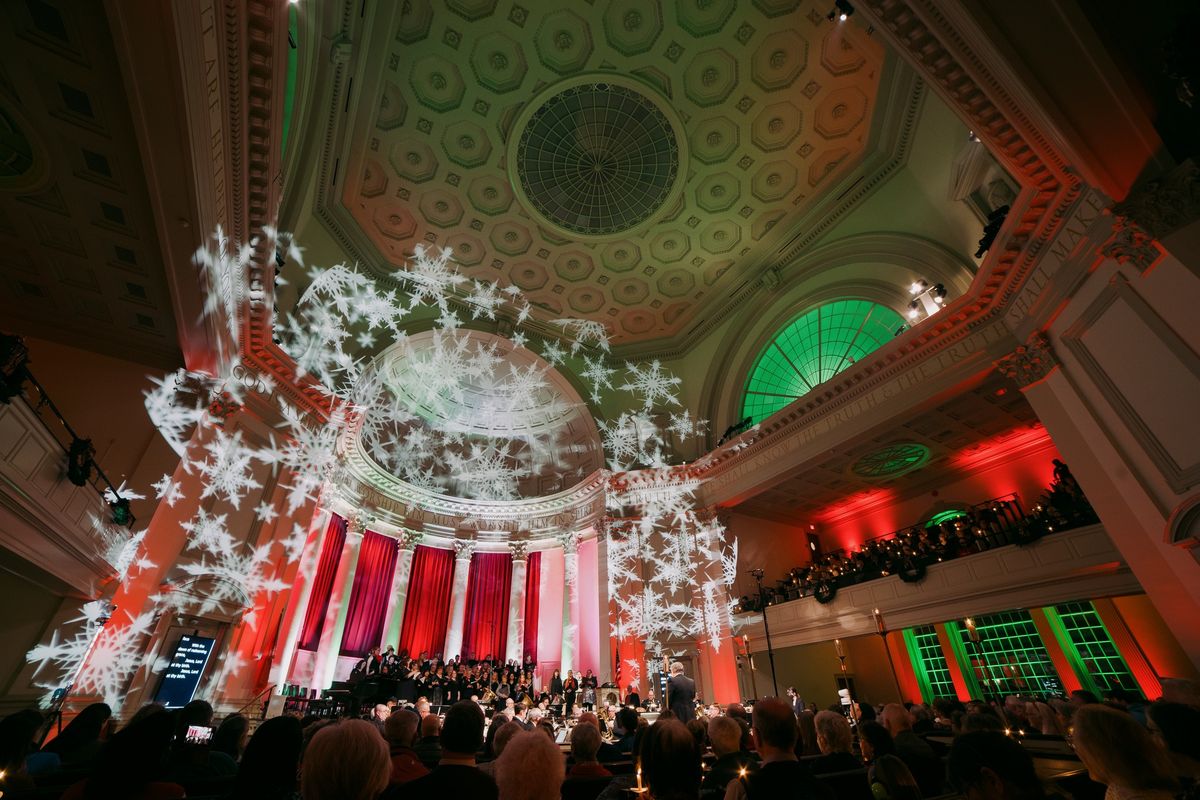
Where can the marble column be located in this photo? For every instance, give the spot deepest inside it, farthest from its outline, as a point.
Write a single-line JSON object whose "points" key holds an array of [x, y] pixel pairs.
{"points": [[301, 595], [514, 649], [339, 599], [463, 549], [394, 618], [570, 544]]}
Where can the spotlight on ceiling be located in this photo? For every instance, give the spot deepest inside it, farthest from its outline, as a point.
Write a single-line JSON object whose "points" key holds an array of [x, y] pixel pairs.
{"points": [[927, 300], [841, 11]]}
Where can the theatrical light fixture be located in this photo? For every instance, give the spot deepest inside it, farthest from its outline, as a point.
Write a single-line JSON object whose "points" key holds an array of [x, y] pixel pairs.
{"points": [[121, 515], [927, 300], [79, 461], [841, 11]]}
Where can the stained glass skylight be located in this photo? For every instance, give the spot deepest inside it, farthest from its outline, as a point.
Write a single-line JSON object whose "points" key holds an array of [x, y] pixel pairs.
{"points": [[812, 349]]}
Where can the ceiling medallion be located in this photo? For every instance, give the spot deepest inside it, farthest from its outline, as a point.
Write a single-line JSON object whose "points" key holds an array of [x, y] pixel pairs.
{"points": [[892, 460], [597, 157]]}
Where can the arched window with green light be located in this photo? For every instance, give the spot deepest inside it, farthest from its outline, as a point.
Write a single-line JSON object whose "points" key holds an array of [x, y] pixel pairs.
{"points": [[813, 348], [944, 516]]}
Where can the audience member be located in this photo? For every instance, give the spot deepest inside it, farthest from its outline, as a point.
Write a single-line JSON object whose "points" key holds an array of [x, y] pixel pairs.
{"points": [[17, 734], [922, 719], [891, 779], [980, 721], [345, 761], [1181, 690], [835, 741], [1082, 697], [627, 724], [456, 775], [1177, 728], [875, 742], [132, 763], [1042, 719], [528, 754], [781, 774], [698, 728], [81, 741], [913, 750], [725, 734], [195, 763], [987, 765], [670, 761], [401, 731], [230, 736], [1122, 755], [585, 745], [270, 761], [503, 736], [429, 747], [806, 744]]}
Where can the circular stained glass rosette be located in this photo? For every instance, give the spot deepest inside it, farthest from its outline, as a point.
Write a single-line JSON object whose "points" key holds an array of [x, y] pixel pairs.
{"points": [[892, 460]]}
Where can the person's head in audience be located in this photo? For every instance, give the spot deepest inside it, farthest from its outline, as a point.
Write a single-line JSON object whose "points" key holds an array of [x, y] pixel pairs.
{"points": [[774, 728], [987, 765], [401, 728], [866, 712], [1177, 728], [347, 760], [1082, 697], [423, 708], [875, 741], [1042, 718], [833, 733], [380, 713], [431, 726], [699, 730], [1119, 752], [89, 726], [134, 757], [531, 767], [895, 778], [806, 728], [737, 710], [270, 761], [588, 718], [725, 734], [896, 719], [670, 760], [311, 730], [462, 732], [503, 736], [17, 733], [585, 743], [547, 727], [980, 722], [1181, 690], [627, 720], [230, 736]]}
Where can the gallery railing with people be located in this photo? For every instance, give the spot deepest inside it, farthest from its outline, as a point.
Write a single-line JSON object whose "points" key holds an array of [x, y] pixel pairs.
{"points": [[907, 553]]}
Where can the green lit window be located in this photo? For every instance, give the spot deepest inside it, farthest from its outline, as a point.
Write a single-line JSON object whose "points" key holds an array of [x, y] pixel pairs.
{"points": [[1093, 648], [929, 662], [1010, 657], [944, 516], [891, 460], [812, 349]]}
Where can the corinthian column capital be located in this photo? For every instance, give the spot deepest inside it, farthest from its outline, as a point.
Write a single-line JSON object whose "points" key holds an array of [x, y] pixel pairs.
{"points": [[1030, 362], [464, 549]]}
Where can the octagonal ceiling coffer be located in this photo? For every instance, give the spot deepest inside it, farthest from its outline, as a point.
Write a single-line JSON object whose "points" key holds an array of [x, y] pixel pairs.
{"points": [[597, 157]]}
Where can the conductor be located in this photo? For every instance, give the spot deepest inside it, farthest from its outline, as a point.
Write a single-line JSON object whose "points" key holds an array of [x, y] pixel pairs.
{"points": [[681, 694]]}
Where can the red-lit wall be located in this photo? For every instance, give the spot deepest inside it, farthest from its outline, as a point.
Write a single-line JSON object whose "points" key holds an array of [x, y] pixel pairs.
{"points": [[771, 546]]}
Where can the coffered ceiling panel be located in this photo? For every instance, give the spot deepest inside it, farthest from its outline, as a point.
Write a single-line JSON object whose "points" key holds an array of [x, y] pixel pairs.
{"points": [[617, 160]]}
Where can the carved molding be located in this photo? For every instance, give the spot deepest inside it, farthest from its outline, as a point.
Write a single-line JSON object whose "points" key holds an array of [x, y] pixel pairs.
{"points": [[409, 539], [519, 550], [1130, 243], [1030, 362], [464, 549], [1163, 206], [569, 541]]}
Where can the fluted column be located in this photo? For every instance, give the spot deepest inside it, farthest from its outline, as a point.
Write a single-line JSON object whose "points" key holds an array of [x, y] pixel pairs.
{"points": [[394, 618], [301, 594], [515, 646], [339, 600], [570, 544], [464, 549]]}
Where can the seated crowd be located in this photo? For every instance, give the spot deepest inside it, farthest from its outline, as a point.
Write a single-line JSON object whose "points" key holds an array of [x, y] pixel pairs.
{"points": [[780, 749], [908, 552]]}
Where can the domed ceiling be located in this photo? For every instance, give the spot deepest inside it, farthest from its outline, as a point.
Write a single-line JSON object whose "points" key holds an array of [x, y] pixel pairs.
{"points": [[614, 160]]}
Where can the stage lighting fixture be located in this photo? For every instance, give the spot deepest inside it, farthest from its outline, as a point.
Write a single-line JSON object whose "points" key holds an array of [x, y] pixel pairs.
{"points": [[841, 11], [121, 515], [79, 461]]}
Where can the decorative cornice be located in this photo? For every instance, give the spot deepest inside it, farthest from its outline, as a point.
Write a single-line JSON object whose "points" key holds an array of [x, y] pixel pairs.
{"points": [[1163, 206], [1030, 362]]}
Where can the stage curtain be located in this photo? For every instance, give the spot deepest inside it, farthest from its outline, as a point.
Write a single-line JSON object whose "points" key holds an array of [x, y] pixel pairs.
{"points": [[488, 584], [533, 587], [369, 595], [318, 600], [428, 604]]}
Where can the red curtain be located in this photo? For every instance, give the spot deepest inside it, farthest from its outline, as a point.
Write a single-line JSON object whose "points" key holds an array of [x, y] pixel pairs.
{"points": [[428, 604], [488, 585], [533, 588], [369, 595], [318, 600]]}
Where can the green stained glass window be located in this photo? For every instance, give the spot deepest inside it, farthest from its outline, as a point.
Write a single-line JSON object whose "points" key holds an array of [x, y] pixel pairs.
{"points": [[812, 349], [1093, 647], [929, 662], [1010, 657], [944, 516]]}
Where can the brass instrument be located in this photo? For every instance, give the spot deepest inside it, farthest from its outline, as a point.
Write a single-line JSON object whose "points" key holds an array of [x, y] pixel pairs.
{"points": [[488, 695]]}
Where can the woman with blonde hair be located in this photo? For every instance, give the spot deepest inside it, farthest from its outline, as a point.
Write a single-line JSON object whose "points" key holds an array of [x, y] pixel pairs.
{"points": [[530, 768], [1043, 718], [1121, 754], [347, 760]]}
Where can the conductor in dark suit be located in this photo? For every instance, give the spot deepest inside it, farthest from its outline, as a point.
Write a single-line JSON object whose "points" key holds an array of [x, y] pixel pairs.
{"points": [[681, 694]]}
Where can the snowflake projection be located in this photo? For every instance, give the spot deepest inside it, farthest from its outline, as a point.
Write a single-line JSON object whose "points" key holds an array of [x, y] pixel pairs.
{"points": [[93, 658], [633, 669], [652, 384], [465, 416]]}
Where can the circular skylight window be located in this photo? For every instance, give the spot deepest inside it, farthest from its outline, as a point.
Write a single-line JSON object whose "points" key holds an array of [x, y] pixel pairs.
{"points": [[597, 158]]}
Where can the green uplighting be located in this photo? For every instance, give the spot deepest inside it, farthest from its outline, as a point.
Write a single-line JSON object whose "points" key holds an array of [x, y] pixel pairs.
{"points": [[929, 663], [944, 516], [1089, 647], [812, 349]]}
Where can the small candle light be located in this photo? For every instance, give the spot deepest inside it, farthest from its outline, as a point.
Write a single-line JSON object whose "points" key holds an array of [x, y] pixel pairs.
{"points": [[639, 777], [837, 646], [879, 621]]}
